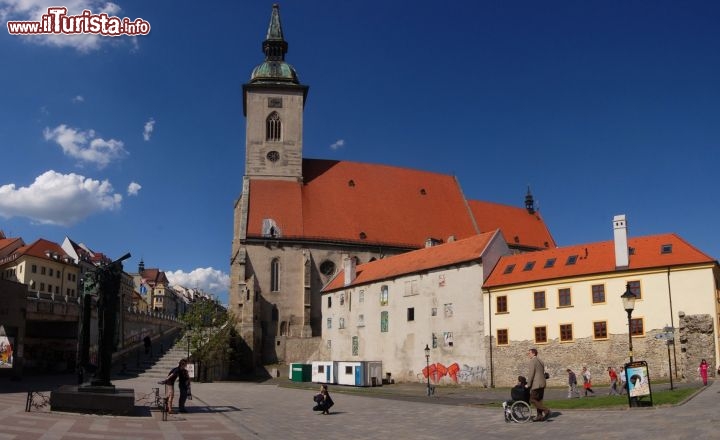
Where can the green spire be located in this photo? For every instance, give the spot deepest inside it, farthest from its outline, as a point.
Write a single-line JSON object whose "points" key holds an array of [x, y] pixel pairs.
{"points": [[274, 69], [275, 28], [275, 47]]}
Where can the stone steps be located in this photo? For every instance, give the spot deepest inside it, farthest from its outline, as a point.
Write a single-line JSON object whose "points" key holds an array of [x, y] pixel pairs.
{"points": [[159, 367]]}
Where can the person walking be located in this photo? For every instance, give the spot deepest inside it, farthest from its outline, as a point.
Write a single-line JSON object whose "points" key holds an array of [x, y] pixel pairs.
{"points": [[613, 382], [703, 370], [572, 384], [623, 380], [148, 345], [536, 385], [587, 381]]}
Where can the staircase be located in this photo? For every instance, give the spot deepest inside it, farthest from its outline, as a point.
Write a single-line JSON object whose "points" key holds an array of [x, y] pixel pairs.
{"points": [[158, 367]]}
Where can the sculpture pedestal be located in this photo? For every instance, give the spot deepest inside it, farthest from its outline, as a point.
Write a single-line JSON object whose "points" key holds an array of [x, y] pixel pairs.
{"points": [[93, 400]]}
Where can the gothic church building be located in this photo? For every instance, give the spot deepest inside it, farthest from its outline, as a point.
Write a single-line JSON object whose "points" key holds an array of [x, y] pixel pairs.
{"points": [[297, 219]]}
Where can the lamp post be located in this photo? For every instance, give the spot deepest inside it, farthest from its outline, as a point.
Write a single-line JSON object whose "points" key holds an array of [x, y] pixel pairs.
{"points": [[628, 299], [188, 343], [427, 363]]}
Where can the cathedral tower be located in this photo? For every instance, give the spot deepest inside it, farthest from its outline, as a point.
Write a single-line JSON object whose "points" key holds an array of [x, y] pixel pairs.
{"points": [[273, 103]]}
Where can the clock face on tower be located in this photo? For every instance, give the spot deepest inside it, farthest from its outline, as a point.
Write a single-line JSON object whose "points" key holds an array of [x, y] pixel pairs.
{"points": [[273, 156]]}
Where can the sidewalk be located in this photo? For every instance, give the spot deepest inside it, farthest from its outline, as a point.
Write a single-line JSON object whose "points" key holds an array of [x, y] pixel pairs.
{"points": [[280, 409]]}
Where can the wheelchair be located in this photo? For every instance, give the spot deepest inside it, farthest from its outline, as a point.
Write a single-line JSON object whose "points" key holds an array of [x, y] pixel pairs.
{"points": [[517, 410]]}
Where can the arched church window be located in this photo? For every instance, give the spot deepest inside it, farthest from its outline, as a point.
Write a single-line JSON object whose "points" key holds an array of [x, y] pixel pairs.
{"points": [[273, 127], [275, 275]]}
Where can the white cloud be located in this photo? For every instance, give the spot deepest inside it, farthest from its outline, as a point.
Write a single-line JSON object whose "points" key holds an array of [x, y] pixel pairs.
{"points": [[32, 10], [207, 279], [134, 188], [337, 144], [85, 146], [58, 199], [149, 127], [78, 98]]}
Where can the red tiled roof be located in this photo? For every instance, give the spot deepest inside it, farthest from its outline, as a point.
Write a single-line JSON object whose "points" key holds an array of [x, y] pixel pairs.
{"points": [[595, 258], [346, 201], [443, 255], [279, 200], [40, 247], [519, 227], [9, 248], [9, 245], [154, 276]]}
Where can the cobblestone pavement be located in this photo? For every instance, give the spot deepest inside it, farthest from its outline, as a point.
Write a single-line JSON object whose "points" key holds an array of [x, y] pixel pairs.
{"points": [[278, 409]]}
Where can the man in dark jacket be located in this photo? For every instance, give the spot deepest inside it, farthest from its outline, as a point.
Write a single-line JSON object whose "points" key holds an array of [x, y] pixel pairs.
{"points": [[180, 374]]}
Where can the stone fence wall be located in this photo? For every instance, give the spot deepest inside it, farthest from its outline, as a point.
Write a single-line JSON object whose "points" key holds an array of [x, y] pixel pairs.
{"points": [[694, 340]]}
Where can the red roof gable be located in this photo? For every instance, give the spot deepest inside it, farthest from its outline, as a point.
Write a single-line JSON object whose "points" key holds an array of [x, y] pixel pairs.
{"points": [[443, 255], [154, 276], [359, 202], [519, 227], [594, 258], [9, 248], [41, 247]]}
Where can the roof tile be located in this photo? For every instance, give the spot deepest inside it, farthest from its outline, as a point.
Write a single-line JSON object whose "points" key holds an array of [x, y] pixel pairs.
{"points": [[594, 258], [443, 255]]}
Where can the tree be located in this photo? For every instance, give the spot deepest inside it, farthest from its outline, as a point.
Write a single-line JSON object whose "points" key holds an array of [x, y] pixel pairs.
{"points": [[210, 334]]}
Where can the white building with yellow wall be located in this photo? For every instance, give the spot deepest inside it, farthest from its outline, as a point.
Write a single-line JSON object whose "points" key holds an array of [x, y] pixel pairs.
{"points": [[566, 302]]}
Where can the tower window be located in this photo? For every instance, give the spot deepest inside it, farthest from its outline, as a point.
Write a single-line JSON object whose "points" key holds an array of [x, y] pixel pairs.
{"points": [[273, 127], [275, 275]]}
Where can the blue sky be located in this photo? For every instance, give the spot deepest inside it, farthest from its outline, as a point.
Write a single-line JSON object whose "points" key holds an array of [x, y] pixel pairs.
{"points": [[136, 144]]}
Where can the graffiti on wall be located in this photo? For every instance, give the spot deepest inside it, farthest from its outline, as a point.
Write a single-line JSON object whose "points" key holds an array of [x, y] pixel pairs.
{"points": [[464, 374]]}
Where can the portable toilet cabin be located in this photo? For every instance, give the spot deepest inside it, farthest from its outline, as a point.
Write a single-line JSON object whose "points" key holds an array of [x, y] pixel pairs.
{"points": [[359, 373], [300, 372], [324, 372]]}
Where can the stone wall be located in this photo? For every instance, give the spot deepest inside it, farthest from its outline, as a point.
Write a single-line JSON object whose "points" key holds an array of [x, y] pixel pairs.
{"points": [[694, 341], [301, 350]]}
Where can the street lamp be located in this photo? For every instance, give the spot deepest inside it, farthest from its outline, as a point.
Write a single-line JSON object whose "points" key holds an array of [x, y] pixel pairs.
{"points": [[427, 363], [628, 299], [187, 335]]}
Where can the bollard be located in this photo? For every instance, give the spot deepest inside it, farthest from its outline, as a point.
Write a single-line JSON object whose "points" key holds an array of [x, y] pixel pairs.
{"points": [[165, 409]]}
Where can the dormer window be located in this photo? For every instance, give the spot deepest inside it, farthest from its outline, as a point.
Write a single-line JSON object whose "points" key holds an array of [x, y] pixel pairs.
{"points": [[529, 265], [273, 127], [666, 249], [549, 263], [509, 268], [572, 259]]}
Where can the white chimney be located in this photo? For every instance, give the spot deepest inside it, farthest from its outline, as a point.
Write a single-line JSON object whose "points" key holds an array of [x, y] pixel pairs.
{"points": [[349, 265], [622, 258]]}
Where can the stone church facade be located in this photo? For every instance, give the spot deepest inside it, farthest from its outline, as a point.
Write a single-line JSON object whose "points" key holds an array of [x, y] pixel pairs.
{"points": [[298, 219]]}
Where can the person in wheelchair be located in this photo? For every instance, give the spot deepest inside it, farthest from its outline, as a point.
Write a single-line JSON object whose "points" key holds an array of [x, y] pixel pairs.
{"points": [[517, 393]]}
